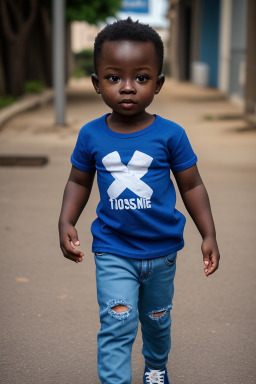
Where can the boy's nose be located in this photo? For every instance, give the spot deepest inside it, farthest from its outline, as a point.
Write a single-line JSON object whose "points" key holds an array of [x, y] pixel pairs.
{"points": [[128, 87]]}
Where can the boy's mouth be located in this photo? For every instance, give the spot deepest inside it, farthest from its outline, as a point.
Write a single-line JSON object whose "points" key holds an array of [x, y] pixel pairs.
{"points": [[127, 101]]}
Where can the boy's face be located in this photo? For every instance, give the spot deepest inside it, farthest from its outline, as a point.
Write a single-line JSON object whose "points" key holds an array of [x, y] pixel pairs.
{"points": [[127, 76]]}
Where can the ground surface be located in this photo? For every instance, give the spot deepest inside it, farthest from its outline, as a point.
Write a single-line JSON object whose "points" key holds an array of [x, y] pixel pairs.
{"points": [[49, 313]]}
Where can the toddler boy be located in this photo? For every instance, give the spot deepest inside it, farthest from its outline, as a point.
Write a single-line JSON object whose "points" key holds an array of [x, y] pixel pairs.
{"points": [[138, 231]]}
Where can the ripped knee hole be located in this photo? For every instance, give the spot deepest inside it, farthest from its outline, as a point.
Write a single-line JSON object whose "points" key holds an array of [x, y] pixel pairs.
{"points": [[120, 308], [158, 314]]}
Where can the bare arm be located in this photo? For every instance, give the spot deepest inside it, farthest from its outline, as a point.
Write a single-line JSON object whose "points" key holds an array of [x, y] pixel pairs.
{"points": [[197, 203], [75, 197]]}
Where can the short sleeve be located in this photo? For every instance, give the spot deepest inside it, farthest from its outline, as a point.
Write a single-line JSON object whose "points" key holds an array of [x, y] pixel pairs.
{"points": [[81, 157], [182, 155]]}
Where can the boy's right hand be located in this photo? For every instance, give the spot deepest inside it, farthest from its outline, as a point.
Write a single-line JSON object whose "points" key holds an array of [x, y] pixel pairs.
{"points": [[68, 242]]}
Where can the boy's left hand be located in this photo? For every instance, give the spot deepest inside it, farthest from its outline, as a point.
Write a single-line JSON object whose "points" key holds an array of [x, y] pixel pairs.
{"points": [[211, 255]]}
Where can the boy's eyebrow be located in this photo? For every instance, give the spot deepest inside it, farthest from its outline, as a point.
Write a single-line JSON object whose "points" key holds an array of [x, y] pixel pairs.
{"points": [[113, 68], [137, 69], [142, 68]]}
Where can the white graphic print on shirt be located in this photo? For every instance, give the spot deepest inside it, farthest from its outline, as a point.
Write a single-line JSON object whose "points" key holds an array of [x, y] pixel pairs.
{"points": [[128, 177]]}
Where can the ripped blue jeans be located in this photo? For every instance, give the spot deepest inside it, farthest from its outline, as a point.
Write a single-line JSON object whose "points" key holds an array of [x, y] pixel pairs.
{"points": [[145, 289]]}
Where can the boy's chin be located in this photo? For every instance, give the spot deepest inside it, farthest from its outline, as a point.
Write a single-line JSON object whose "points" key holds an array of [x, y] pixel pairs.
{"points": [[128, 111]]}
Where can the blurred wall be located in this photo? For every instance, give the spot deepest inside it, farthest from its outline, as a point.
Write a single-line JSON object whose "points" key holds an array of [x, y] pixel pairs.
{"points": [[209, 44], [220, 34], [185, 36], [83, 35], [238, 48], [250, 89]]}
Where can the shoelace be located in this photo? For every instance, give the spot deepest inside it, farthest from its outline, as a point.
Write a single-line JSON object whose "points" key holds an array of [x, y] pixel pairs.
{"points": [[155, 377]]}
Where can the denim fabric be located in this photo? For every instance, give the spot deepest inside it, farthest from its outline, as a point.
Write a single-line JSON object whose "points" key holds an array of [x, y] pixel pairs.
{"points": [[145, 287]]}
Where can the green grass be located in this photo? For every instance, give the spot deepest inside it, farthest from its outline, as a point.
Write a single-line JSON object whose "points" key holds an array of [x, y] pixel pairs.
{"points": [[5, 101], [34, 86], [83, 63], [208, 117], [78, 73]]}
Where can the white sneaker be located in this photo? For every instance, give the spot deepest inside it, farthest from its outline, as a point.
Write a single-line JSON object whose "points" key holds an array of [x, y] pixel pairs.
{"points": [[155, 376]]}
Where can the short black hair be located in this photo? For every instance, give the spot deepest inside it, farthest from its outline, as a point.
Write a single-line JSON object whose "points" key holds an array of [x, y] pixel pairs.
{"points": [[132, 31]]}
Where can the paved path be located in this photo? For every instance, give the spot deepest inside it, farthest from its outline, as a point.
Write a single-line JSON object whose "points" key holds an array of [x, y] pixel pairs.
{"points": [[49, 314]]}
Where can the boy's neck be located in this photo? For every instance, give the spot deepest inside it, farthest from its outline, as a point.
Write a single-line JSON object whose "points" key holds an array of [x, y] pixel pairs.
{"points": [[129, 124]]}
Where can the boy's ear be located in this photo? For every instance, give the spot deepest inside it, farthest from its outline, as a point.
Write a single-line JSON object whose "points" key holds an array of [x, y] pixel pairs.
{"points": [[159, 83], [95, 82]]}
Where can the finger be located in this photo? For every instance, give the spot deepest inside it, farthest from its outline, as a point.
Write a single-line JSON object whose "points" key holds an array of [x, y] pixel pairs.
{"points": [[207, 262], [212, 267], [75, 245], [72, 257], [74, 238], [75, 259], [69, 250], [210, 271], [208, 265]]}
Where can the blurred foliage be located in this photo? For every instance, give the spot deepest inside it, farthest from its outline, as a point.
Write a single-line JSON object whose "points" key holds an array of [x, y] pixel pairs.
{"points": [[84, 63], [78, 73], [6, 101], [208, 117], [34, 86], [26, 40], [92, 11]]}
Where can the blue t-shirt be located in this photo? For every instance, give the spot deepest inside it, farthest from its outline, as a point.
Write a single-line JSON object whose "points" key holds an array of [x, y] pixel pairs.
{"points": [[136, 213]]}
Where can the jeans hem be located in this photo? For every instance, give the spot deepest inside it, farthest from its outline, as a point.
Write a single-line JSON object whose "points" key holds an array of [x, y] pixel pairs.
{"points": [[153, 366]]}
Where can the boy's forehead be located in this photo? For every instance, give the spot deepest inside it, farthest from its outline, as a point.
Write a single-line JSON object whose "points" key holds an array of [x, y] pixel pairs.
{"points": [[140, 51]]}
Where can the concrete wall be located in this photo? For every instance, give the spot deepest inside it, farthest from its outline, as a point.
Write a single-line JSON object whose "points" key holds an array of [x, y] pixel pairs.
{"points": [[224, 45], [210, 38], [238, 48], [250, 88]]}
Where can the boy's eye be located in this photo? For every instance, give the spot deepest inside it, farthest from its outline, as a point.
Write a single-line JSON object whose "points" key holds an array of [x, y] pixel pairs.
{"points": [[113, 78], [142, 78]]}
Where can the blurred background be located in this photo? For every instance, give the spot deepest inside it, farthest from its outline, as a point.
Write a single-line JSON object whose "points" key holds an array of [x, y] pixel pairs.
{"points": [[49, 312], [211, 43]]}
